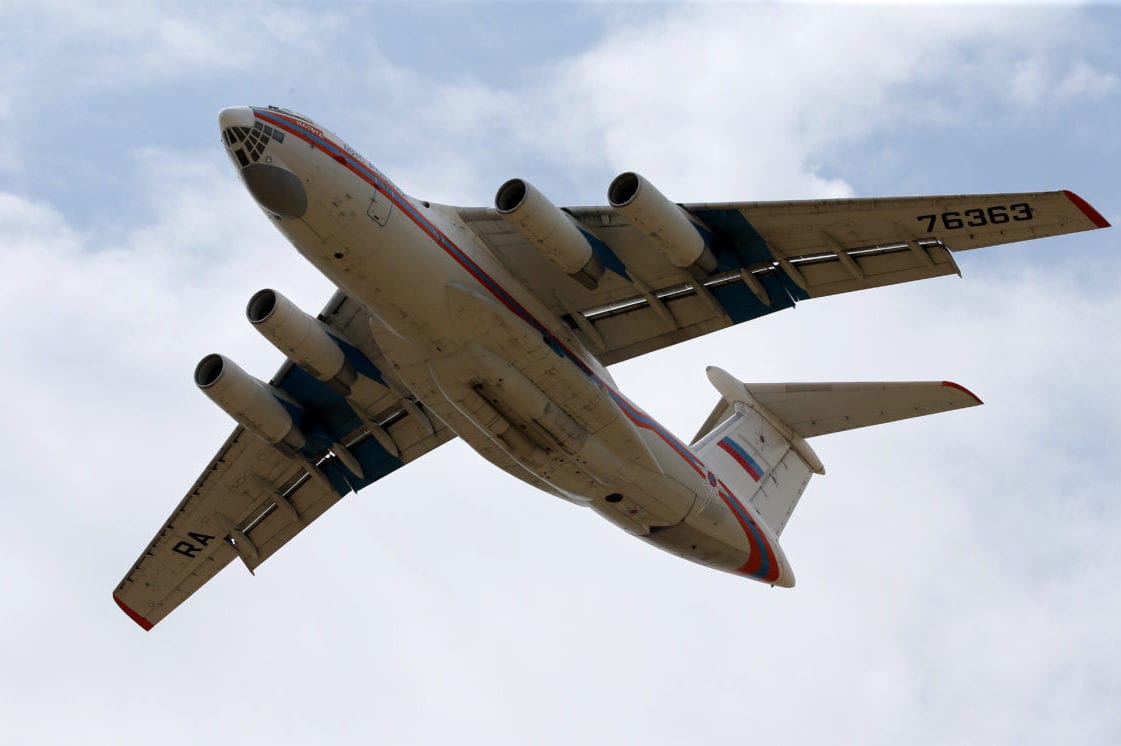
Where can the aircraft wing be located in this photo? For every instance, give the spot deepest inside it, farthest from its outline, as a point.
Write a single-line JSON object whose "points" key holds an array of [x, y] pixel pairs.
{"points": [[770, 255], [251, 499]]}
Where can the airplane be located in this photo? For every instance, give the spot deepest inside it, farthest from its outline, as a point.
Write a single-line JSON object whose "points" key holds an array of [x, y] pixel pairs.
{"points": [[496, 325]]}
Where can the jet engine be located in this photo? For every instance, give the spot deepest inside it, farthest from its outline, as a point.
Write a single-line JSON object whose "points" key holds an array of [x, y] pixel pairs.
{"points": [[544, 224], [663, 222], [301, 338], [248, 400]]}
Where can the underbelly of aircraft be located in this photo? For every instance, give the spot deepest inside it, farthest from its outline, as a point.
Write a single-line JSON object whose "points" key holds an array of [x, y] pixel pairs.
{"points": [[521, 402]]}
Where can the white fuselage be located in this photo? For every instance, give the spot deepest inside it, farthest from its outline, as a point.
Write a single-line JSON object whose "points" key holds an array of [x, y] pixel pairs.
{"points": [[478, 349]]}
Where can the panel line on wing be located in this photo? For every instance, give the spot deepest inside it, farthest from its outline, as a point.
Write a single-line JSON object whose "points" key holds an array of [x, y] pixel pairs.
{"points": [[753, 280]]}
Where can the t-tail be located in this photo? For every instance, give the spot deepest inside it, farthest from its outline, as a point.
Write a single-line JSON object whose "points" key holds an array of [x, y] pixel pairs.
{"points": [[754, 441]]}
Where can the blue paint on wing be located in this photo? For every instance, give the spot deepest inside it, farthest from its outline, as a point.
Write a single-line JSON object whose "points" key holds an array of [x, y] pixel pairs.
{"points": [[360, 362], [736, 242], [376, 462], [339, 476], [606, 256], [325, 415], [327, 418], [742, 305]]}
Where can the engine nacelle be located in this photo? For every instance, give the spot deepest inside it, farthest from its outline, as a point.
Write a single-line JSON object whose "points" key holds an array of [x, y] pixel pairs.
{"points": [[660, 220], [546, 226], [248, 400], [301, 338]]}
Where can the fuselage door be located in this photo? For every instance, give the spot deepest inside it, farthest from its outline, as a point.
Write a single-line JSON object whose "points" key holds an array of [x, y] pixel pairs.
{"points": [[380, 208]]}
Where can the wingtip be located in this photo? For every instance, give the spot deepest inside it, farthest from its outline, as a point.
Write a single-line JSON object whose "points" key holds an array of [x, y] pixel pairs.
{"points": [[1087, 209], [144, 623], [959, 387]]}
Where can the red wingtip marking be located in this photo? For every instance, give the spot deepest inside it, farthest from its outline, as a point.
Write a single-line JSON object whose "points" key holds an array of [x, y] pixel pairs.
{"points": [[959, 387], [133, 615], [1087, 210]]}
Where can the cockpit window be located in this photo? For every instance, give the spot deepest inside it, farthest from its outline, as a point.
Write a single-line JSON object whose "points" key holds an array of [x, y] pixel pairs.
{"points": [[249, 144]]}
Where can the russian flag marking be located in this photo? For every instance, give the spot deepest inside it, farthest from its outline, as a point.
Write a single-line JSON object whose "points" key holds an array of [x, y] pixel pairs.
{"points": [[750, 465]]}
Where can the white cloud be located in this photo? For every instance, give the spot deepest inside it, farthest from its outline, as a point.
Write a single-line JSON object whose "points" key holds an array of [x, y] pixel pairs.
{"points": [[1084, 81], [106, 331], [58, 57], [724, 102], [728, 101], [1040, 81], [125, 43]]}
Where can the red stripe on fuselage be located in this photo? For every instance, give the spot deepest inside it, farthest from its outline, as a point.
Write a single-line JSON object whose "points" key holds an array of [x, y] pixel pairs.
{"points": [[755, 559]]}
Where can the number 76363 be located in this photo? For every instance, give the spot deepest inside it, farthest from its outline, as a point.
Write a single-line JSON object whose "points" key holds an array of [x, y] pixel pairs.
{"points": [[977, 217]]}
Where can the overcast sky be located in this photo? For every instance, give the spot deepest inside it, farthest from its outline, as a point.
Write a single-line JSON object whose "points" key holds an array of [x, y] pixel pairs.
{"points": [[958, 576]]}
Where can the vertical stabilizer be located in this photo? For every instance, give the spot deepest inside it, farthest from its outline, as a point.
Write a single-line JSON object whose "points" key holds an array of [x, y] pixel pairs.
{"points": [[756, 454]]}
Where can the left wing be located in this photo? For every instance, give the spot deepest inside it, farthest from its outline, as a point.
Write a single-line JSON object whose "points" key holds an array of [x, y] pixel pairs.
{"points": [[770, 255], [252, 499]]}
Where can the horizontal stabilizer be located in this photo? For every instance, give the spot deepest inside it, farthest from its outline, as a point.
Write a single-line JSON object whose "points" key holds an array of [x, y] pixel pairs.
{"points": [[810, 409]]}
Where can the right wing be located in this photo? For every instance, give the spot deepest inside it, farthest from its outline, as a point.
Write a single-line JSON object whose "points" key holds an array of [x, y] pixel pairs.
{"points": [[252, 499], [770, 256]]}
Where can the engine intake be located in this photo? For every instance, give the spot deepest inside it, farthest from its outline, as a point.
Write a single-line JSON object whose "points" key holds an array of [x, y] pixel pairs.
{"points": [[248, 400], [548, 228], [666, 224]]}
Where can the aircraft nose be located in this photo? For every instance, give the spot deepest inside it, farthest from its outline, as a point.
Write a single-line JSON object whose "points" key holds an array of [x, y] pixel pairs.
{"points": [[235, 116], [275, 188]]}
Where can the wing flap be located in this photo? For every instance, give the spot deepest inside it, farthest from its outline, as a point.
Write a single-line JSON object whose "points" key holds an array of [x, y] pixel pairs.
{"points": [[829, 275], [640, 326]]}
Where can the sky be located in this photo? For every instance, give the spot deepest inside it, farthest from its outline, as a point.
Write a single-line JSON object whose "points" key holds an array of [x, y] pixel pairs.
{"points": [[958, 575]]}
